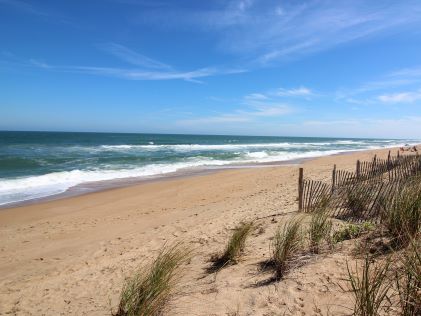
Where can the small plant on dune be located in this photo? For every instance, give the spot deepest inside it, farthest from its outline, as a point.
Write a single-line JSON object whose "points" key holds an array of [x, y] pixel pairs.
{"points": [[234, 247], [286, 243], [148, 291], [402, 215], [352, 231], [370, 288], [408, 280], [319, 229]]}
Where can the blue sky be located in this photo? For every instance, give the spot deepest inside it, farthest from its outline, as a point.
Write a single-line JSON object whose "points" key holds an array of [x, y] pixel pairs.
{"points": [[294, 68]]}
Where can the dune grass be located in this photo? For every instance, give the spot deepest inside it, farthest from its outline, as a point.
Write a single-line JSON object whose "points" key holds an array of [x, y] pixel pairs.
{"points": [[370, 288], [358, 199], [351, 231], [286, 244], [402, 215], [408, 280], [319, 229], [234, 247], [149, 289]]}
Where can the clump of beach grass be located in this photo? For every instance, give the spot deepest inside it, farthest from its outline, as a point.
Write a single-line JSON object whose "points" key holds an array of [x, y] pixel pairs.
{"points": [[370, 288], [286, 244], [408, 280], [149, 289], [234, 248], [402, 215], [319, 229]]}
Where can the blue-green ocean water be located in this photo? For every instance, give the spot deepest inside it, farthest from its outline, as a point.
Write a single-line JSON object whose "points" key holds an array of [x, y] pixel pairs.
{"points": [[39, 164]]}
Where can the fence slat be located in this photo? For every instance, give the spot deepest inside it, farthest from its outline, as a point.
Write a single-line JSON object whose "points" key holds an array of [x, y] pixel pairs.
{"points": [[370, 183]]}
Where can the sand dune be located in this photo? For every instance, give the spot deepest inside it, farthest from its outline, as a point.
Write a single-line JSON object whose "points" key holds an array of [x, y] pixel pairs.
{"points": [[70, 256]]}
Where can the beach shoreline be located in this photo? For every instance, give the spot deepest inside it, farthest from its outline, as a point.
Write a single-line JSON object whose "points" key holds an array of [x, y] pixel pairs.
{"points": [[106, 185], [71, 255], [99, 186]]}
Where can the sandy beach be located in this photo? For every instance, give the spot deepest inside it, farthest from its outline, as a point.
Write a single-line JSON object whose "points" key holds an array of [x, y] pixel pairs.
{"points": [[70, 256]]}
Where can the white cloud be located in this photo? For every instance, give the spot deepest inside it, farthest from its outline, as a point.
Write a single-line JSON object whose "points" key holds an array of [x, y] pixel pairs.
{"points": [[376, 91], [402, 97], [255, 106], [301, 91], [38, 63], [131, 73], [256, 97], [407, 72], [273, 55], [134, 74], [270, 110], [133, 57], [239, 116], [278, 94], [270, 31], [380, 127]]}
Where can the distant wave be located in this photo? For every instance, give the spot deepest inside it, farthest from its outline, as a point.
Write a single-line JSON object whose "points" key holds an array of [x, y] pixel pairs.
{"points": [[202, 147], [174, 158], [26, 188]]}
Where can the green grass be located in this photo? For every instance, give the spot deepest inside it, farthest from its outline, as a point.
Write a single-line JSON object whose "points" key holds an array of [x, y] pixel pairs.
{"points": [[234, 248], [319, 229], [358, 199], [402, 214], [286, 244], [351, 231], [150, 288], [408, 280], [370, 288]]}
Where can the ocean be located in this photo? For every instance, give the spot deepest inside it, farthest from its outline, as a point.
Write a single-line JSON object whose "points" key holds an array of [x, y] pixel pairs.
{"points": [[36, 165]]}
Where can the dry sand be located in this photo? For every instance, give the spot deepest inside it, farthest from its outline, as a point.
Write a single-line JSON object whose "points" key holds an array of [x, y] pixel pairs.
{"points": [[70, 256]]}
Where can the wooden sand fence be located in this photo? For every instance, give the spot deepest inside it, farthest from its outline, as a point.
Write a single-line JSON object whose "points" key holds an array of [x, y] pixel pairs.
{"points": [[358, 195]]}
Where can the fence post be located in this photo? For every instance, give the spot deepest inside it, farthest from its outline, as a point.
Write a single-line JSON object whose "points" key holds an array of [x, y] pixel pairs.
{"points": [[388, 165], [300, 189], [358, 168], [333, 177], [373, 167]]}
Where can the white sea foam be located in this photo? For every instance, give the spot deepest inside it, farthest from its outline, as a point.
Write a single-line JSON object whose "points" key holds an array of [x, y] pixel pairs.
{"points": [[258, 154], [26, 188], [199, 147], [346, 144], [31, 187], [223, 147]]}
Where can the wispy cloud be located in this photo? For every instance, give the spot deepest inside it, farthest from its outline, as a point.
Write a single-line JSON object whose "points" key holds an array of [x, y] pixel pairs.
{"points": [[301, 91], [24, 7], [134, 74], [386, 89], [38, 63], [401, 97], [151, 70], [402, 127], [241, 116], [252, 107], [279, 94], [271, 31], [256, 97], [133, 57]]}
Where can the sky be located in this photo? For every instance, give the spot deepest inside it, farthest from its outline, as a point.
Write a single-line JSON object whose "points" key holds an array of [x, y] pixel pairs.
{"points": [[242, 67]]}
